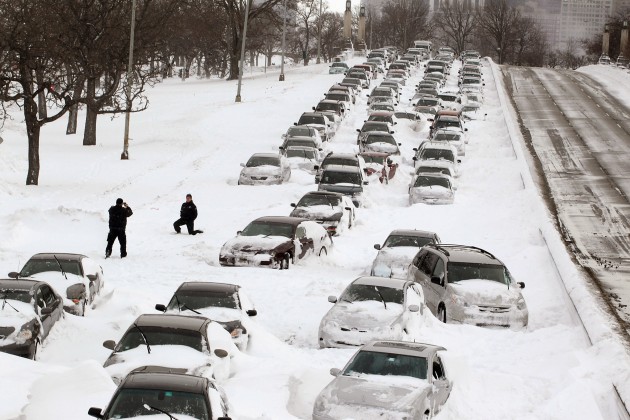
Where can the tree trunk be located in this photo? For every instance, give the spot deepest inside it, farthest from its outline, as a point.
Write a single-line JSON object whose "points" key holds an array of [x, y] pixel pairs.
{"points": [[41, 98], [73, 114], [32, 133], [89, 132]]}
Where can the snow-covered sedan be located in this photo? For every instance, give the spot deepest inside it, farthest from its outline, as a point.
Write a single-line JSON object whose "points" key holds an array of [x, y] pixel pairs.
{"points": [[265, 169], [75, 277], [187, 344], [468, 285], [372, 308], [452, 136], [275, 241], [320, 122], [431, 188], [303, 158], [398, 250], [387, 380], [28, 311], [332, 210], [377, 141], [224, 303], [152, 391]]}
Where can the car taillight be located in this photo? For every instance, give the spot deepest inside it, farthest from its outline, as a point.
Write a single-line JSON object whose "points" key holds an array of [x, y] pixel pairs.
{"points": [[76, 301]]}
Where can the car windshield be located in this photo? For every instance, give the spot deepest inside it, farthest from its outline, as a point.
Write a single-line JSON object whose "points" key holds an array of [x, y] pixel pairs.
{"points": [[437, 154], [327, 107], [382, 107], [129, 403], [300, 143], [377, 363], [299, 131], [302, 153], [344, 65], [447, 123], [394, 241], [352, 80], [380, 139], [204, 299], [427, 102], [431, 181], [447, 136], [35, 266], [268, 229], [374, 127], [381, 118], [318, 200], [255, 161], [381, 92], [433, 170], [374, 159], [334, 177], [448, 98], [158, 336], [471, 271], [311, 119], [337, 97], [364, 292], [12, 294], [335, 160]]}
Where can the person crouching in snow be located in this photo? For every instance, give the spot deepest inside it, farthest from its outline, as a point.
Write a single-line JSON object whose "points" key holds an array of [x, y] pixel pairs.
{"points": [[187, 216]]}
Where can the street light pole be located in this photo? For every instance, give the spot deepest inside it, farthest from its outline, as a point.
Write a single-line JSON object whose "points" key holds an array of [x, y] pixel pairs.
{"points": [[125, 154], [319, 33], [284, 35], [240, 67]]}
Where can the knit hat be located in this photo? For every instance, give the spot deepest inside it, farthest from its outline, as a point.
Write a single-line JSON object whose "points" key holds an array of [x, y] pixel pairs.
{"points": [[119, 201]]}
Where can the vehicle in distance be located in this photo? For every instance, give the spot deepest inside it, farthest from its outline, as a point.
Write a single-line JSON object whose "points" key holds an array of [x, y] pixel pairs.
{"points": [[431, 188], [398, 250], [332, 210], [265, 169], [347, 180]]}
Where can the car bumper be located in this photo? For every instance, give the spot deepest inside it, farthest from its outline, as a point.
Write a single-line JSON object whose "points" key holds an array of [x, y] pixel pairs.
{"points": [[336, 338], [355, 411], [22, 350], [512, 319], [253, 260], [268, 181], [431, 200]]}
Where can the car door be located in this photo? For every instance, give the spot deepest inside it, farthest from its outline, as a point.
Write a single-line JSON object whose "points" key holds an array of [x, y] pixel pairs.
{"points": [[45, 298], [442, 386], [425, 269], [413, 321], [305, 241]]}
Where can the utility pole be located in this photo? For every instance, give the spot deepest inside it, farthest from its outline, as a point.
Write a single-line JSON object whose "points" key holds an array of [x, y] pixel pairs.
{"points": [[319, 33], [284, 35], [125, 154], [240, 69]]}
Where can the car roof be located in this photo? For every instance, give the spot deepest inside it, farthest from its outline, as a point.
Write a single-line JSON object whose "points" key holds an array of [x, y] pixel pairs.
{"points": [[312, 114], [403, 347], [184, 322], [206, 286], [342, 156], [325, 193], [466, 253], [342, 168], [378, 133], [154, 377], [382, 113], [378, 154], [18, 284], [59, 255], [376, 123], [412, 232], [329, 101], [281, 219], [437, 145], [270, 155], [305, 138], [381, 281]]}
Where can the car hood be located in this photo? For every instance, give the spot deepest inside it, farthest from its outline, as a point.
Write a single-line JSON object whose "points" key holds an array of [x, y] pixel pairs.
{"points": [[323, 212], [60, 284], [217, 314], [171, 356], [486, 292], [433, 191], [343, 188], [378, 391], [10, 318], [396, 255], [382, 147], [363, 315], [261, 170], [255, 243]]}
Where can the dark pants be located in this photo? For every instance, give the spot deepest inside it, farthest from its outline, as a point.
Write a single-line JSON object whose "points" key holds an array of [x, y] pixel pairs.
{"points": [[190, 225], [122, 238]]}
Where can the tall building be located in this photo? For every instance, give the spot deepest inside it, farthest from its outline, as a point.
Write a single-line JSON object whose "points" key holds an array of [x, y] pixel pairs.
{"points": [[582, 19]]}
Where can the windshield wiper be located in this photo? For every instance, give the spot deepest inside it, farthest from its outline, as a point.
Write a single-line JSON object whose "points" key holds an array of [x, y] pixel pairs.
{"points": [[381, 296], [60, 267], [144, 337], [150, 407], [181, 306], [4, 302]]}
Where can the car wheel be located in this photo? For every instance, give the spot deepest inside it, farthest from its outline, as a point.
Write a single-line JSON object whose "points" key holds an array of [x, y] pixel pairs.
{"points": [[84, 307], [284, 264], [34, 354], [442, 314], [323, 252]]}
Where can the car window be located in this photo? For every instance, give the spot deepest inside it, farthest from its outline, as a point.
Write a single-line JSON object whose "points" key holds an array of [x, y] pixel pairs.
{"points": [[438, 369], [418, 258], [427, 263], [47, 295], [300, 232], [438, 271], [39, 299]]}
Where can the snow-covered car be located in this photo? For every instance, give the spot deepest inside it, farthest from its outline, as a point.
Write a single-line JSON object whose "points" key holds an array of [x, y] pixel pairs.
{"points": [[75, 277], [303, 158], [381, 106], [224, 303], [334, 108], [436, 151], [387, 380], [373, 308], [443, 167], [194, 344], [383, 92], [341, 96], [320, 122], [378, 141], [332, 210], [303, 131], [275, 241], [398, 250], [28, 311], [265, 169], [466, 284], [425, 104], [347, 180], [370, 126], [383, 116], [380, 164], [338, 68], [432, 188], [346, 159], [454, 137], [155, 392]]}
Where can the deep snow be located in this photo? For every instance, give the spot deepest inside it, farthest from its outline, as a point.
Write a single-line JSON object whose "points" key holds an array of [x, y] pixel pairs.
{"points": [[191, 140]]}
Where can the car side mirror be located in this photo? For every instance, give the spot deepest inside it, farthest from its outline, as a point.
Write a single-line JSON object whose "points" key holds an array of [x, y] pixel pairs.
{"points": [[521, 284], [377, 247], [316, 167], [14, 274], [436, 280], [365, 182], [465, 129], [293, 205], [91, 277], [220, 353], [242, 165], [109, 344], [414, 308], [46, 311], [400, 144], [313, 108], [335, 371], [332, 299], [395, 122], [160, 307], [295, 123], [347, 208], [95, 412], [392, 132], [238, 232], [431, 119], [358, 131], [251, 312], [320, 149]]}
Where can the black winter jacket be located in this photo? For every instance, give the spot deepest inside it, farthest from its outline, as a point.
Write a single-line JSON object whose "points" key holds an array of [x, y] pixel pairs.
{"points": [[118, 216], [188, 211]]}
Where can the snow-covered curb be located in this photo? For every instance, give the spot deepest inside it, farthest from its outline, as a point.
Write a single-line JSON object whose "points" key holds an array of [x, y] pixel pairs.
{"points": [[599, 325]]}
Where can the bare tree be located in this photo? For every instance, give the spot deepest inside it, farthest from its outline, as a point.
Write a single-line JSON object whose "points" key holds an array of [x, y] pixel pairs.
{"points": [[457, 22], [403, 21], [306, 14], [498, 19]]}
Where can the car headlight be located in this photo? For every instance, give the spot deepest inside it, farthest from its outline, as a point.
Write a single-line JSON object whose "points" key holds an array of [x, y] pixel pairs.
{"points": [[320, 406], [236, 332], [459, 301], [23, 336], [520, 304]]}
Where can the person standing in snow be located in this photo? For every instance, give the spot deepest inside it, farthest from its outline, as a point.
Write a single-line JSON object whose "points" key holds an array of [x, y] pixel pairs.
{"points": [[117, 224], [187, 216]]}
